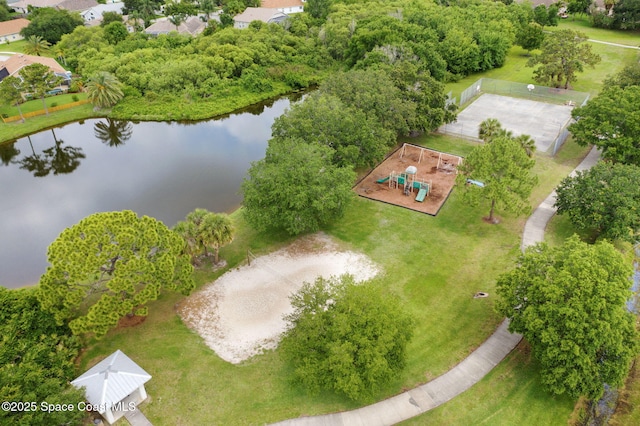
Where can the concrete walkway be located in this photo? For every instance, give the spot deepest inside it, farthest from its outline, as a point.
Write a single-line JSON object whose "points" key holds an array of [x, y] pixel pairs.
{"points": [[136, 418], [464, 375]]}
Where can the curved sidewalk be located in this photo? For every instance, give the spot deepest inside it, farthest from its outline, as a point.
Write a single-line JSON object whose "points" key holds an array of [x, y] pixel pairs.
{"points": [[464, 375]]}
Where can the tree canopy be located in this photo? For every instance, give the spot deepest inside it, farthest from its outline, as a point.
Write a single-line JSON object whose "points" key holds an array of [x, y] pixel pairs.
{"points": [[11, 92], [504, 167], [323, 119], [37, 79], [110, 265], [36, 362], [51, 24], [611, 122], [564, 54], [346, 338], [569, 302], [104, 90], [203, 230], [296, 188], [605, 198]]}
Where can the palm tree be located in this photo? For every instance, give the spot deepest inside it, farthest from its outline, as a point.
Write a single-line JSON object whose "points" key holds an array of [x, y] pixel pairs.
{"points": [[36, 45], [103, 90], [489, 129], [203, 229], [217, 231], [527, 143]]}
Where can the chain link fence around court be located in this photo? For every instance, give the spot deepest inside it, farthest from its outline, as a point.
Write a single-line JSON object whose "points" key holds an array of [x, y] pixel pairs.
{"points": [[532, 92], [525, 91]]}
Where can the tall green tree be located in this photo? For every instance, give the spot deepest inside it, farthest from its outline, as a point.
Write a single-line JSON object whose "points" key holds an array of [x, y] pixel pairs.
{"points": [[51, 24], [5, 11], [611, 122], [36, 362], [110, 265], [628, 76], [505, 169], [11, 92], [37, 79], [569, 302], [373, 92], [605, 198], [324, 120], [104, 90], [530, 36], [564, 54], [203, 230], [346, 338], [115, 32], [36, 45], [626, 15], [318, 9], [296, 188], [109, 17]]}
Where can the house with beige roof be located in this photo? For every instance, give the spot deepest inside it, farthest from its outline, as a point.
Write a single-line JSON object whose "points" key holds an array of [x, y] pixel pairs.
{"points": [[284, 6], [22, 6], [268, 16], [191, 26], [10, 30], [13, 65]]}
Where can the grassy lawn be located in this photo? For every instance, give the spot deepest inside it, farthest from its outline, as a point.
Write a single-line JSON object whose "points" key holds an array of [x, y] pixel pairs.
{"points": [[14, 46], [582, 24], [515, 69], [435, 264], [16, 129], [510, 394], [36, 104]]}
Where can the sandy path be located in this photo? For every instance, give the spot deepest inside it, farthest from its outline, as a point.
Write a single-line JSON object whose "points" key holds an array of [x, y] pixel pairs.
{"points": [[241, 314]]}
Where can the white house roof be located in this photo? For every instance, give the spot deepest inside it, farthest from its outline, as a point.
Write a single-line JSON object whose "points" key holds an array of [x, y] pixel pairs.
{"points": [[259, 14], [101, 8], [111, 380]]}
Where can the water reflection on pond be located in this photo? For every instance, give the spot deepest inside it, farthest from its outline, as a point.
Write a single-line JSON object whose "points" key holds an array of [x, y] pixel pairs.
{"points": [[52, 179]]}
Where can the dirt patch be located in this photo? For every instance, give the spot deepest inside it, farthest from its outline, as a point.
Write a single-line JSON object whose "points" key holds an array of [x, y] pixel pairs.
{"points": [[241, 314], [435, 169], [130, 321]]}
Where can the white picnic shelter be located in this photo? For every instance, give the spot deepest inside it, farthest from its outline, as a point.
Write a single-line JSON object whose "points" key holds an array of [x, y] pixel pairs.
{"points": [[115, 385]]}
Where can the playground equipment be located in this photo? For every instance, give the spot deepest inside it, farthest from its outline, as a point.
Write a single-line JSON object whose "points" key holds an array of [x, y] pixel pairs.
{"points": [[446, 164], [476, 183], [408, 182]]}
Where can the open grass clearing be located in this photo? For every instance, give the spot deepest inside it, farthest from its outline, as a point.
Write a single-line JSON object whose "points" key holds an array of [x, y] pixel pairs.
{"points": [[12, 131], [510, 394], [36, 104], [434, 265], [581, 23], [515, 69]]}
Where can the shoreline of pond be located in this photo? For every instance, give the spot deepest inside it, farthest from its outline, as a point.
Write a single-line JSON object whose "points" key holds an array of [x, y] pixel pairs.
{"points": [[91, 114]]}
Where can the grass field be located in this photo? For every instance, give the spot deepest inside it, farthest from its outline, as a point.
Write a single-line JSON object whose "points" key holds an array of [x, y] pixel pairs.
{"points": [[613, 59], [582, 24], [434, 264]]}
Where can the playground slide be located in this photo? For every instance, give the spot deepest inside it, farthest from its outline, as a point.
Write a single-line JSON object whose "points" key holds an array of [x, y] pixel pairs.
{"points": [[421, 194], [383, 180]]}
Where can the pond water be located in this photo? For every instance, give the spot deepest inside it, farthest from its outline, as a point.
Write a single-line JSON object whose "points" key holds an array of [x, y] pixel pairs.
{"points": [[52, 179]]}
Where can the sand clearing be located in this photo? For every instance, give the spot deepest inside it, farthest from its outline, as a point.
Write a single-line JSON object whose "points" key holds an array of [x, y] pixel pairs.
{"points": [[240, 314]]}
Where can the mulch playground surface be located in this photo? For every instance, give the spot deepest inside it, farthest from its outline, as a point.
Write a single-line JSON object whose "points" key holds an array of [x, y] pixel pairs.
{"points": [[434, 167]]}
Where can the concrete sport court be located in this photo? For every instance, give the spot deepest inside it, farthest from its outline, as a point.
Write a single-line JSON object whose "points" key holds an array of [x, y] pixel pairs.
{"points": [[541, 121]]}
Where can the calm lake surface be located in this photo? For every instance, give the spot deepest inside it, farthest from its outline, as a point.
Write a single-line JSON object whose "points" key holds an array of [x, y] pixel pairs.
{"points": [[163, 170]]}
